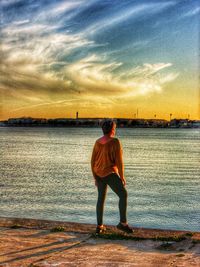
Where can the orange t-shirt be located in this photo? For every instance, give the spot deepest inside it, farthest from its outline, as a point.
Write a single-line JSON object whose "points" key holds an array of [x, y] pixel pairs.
{"points": [[107, 158]]}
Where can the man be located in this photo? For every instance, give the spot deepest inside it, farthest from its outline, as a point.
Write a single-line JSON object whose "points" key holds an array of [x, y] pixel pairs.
{"points": [[108, 169]]}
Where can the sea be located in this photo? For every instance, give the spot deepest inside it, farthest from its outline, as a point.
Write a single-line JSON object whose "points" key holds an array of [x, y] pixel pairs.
{"points": [[45, 173]]}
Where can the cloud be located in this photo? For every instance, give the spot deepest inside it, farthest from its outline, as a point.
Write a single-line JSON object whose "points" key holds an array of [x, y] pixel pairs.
{"points": [[64, 6], [57, 10], [37, 57], [147, 70], [20, 22], [83, 102], [134, 11], [169, 78], [97, 77], [40, 39], [41, 103], [192, 12], [9, 2], [29, 71], [29, 54]]}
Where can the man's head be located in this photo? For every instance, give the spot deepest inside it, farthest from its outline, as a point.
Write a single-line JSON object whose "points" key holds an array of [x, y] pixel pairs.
{"points": [[108, 126]]}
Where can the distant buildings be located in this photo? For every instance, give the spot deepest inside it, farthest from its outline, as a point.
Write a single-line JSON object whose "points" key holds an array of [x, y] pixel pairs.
{"points": [[95, 122], [184, 123], [26, 121], [195, 124], [144, 123], [2, 123]]}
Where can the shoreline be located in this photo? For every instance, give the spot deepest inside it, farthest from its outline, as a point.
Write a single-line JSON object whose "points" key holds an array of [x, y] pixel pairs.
{"points": [[97, 127], [140, 232], [42, 243]]}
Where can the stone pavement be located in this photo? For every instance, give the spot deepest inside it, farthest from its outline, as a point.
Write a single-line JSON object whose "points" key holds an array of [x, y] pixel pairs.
{"points": [[35, 244]]}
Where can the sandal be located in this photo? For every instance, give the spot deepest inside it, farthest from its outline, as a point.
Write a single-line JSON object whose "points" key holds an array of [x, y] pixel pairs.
{"points": [[126, 228], [100, 229]]}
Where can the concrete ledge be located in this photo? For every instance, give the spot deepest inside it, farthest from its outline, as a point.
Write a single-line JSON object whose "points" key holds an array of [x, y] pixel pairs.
{"points": [[143, 233], [46, 224]]}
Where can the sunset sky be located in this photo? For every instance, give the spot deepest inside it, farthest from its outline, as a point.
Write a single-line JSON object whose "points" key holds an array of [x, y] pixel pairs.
{"points": [[103, 58]]}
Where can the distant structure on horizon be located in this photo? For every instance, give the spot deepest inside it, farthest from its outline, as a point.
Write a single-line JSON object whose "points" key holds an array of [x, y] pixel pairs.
{"points": [[95, 122]]}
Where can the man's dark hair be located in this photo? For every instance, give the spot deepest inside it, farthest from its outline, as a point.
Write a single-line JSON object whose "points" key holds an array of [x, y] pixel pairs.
{"points": [[107, 125]]}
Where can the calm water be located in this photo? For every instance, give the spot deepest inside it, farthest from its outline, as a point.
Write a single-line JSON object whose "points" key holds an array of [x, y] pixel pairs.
{"points": [[45, 173]]}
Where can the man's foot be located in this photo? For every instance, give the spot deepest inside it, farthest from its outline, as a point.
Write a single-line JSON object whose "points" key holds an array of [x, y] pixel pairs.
{"points": [[125, 227], [100, 229]]}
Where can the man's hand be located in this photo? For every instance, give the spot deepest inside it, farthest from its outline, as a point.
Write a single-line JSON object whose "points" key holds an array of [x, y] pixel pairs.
{"points": [[95, 182], [123, 181]]}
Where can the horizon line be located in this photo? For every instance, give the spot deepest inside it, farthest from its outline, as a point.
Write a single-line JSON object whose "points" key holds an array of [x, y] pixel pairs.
{"points": [[95, 118]]}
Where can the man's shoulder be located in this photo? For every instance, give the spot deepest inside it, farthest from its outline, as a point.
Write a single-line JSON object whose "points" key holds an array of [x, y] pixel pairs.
{"points": [[99, 139], [116, 141], [113, 141]]}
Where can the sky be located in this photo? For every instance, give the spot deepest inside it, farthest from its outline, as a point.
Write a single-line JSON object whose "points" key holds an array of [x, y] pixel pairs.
{"points": [[102, 58]]}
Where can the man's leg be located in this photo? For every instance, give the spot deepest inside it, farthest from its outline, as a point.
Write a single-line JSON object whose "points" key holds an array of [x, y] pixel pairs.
{"points": [[102, 189], [117, 186]]}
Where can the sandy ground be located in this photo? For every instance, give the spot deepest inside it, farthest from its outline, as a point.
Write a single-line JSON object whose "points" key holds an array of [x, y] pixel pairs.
{"points": [[36, 245]]}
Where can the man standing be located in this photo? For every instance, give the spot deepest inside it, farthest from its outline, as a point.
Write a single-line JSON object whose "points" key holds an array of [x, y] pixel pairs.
{"points": [[108, 169]]}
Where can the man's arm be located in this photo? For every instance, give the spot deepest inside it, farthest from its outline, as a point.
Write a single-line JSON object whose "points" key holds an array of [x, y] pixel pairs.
{"points": [[93, 160], [119, 161]]}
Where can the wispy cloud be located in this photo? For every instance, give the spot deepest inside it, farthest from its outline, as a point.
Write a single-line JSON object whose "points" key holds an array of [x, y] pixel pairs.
{"points": [[98, 77], [56, 10], [35, 56], [42, 103], [9, 2], [21, 22], [59, 8], [29, 54], [192, 12], [136, 11]]}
